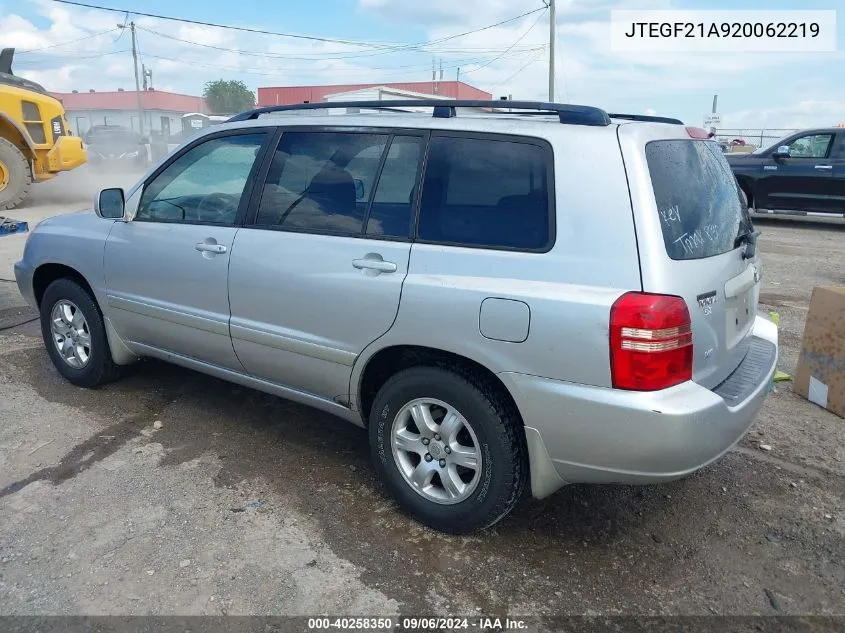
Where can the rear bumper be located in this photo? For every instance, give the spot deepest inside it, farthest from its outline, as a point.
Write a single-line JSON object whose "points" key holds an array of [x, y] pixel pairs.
{"points": [[583, 434]]}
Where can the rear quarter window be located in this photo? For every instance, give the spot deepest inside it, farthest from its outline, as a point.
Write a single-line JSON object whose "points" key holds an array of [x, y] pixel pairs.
{"points": [[698, 200], [488, 193]]}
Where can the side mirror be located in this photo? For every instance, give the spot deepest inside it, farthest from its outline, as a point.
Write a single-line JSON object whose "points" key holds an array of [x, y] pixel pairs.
{"points": [[110, 204], [359, 189], [781, 153]]}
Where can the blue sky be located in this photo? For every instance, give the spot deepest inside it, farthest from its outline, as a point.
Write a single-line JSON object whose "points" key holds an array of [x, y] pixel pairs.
{"points": [[773, 90]]}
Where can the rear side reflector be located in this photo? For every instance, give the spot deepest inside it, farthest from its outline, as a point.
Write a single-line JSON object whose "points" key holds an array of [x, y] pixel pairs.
{"points": [[650, 342]]}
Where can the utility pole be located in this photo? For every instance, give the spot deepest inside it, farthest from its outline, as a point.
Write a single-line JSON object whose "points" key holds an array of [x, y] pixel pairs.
{"points": [[147, 73], [137, 79], [551, 50]]}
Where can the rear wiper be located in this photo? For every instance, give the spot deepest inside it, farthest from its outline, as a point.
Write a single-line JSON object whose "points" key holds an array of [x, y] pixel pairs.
{"points": [[749, 238]]}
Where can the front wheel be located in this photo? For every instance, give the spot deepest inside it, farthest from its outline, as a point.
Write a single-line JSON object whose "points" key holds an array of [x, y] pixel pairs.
{"points": [[75, 335], [449, 447]]}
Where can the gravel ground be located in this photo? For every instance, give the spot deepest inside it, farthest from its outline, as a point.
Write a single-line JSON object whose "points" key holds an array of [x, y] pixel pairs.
{"points": [[241, 503]]}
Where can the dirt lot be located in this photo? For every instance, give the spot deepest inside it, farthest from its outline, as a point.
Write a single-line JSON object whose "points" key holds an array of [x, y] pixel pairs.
{"points": [[246, 504]]}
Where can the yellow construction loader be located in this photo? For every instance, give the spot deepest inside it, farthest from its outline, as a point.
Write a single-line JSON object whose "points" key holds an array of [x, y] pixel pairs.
{"points": [[35, 141]]}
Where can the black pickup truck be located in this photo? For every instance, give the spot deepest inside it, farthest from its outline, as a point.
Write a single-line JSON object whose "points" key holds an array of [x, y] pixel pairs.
{"points": [[802, 174]]}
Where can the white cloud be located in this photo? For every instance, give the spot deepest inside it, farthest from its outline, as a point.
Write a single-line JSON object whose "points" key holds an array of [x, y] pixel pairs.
{"points": [[182, 66], [589, 72], [804, 114]]}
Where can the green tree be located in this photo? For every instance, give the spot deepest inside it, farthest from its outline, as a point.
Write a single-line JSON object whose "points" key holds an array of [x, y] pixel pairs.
{"points": [[228, 96]]}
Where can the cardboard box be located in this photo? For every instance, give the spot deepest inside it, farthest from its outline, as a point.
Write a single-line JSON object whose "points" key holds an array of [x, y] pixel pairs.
{"points": [[821, 367]]}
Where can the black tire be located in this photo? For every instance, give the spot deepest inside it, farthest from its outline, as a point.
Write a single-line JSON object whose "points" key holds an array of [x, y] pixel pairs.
{"points": [[501, 439], [100, 368], [19, 176]]}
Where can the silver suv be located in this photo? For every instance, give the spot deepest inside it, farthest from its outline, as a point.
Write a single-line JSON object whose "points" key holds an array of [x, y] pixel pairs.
{"points": [[502, 294]]}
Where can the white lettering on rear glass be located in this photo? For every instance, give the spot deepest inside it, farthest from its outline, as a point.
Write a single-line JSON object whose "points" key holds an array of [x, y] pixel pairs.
{"points": [[702, 235], [671, 215]]}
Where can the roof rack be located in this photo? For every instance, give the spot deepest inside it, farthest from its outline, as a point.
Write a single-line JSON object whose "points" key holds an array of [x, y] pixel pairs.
{"points": [[647, 118], [445, 108]]}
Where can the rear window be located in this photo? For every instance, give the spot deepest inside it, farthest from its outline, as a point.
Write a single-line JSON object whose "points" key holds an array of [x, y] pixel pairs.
{"points": [[698, 200]]}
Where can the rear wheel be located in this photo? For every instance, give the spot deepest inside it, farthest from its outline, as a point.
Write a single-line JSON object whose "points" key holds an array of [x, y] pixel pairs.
{"points": [[75, 335], [449, 447], [15, 177]]}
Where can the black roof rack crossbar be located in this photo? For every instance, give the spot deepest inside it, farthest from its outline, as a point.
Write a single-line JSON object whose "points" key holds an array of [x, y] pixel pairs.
{"points": [[573, 114], [646, 118]]}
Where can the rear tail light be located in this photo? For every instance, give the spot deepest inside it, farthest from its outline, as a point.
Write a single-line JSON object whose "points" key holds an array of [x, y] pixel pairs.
{"points": [[650, 342]]}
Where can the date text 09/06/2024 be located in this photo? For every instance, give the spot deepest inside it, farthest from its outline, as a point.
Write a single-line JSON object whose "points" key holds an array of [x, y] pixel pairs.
{"points": [[477, 623]]}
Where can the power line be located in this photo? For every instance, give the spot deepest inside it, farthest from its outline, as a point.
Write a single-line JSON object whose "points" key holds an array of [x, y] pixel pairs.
{"points": [[212, 24], [53, 61], [122, 28], [293, 35], [454, 63], [81, 39], [517, 41], [531, 61], [301, 56], [272, 71], [485, 28]]}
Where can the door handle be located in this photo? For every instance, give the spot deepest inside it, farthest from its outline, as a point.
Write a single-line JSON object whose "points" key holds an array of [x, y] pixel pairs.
{"points": [[825, 167], [374, 264], [205, 247]]}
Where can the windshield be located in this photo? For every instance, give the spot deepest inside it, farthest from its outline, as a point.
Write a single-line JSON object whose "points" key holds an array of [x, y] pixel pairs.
{"points": [[701, 210]]}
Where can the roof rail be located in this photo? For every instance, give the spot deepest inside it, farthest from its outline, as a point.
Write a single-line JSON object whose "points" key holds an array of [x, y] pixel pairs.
{"points": [[445, 108], [645, 117]]}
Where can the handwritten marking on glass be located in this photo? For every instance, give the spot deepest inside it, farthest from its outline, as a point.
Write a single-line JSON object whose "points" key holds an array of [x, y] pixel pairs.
{"points": [[671, 215], [702, 235]]}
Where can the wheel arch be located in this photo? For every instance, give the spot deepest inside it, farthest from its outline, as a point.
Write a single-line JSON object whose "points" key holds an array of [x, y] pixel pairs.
{"points": [[385, 362], [47, 273], [12, 131]]}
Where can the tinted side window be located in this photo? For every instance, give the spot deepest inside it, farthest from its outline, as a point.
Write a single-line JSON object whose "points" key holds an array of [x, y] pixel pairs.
{"points": [[321, 181], [205, 184], [390, 213], [483, 192], [812, 146]]}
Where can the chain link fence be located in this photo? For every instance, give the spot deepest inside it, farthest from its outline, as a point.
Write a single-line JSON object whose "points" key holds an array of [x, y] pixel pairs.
{"points": [[756, 137]]}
